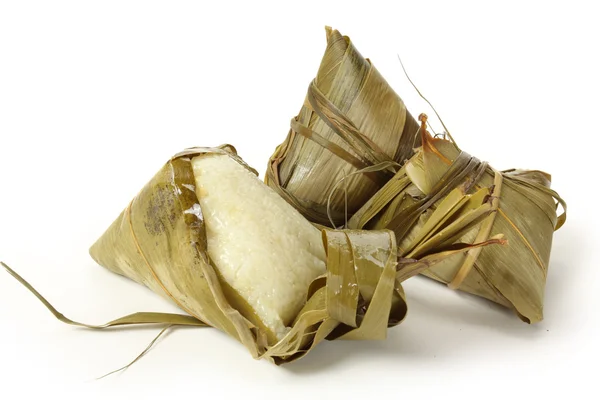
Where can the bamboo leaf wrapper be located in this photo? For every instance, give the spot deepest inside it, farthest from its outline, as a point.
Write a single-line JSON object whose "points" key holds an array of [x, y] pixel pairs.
{"points": [[351, 119], [427, 192]]}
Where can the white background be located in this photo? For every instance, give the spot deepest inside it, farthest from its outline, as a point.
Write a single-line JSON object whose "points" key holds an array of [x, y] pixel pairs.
{"points": [[96, 96]]}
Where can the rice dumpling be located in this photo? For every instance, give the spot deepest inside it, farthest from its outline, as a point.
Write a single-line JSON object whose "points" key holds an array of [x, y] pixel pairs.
{"points": [[351, 119], [206, 233], [524, 209]]}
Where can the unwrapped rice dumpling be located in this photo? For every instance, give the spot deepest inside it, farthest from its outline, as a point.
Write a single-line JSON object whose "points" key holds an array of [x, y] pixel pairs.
{"points": [[206, 233], [271, 268]]}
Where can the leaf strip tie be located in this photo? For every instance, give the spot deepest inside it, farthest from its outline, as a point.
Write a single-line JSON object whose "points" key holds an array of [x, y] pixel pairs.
{"points": [[343, 127], [484, 233]]}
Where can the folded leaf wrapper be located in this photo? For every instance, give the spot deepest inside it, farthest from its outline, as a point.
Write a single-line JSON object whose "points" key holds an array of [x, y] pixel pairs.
{"points": [[160, 241], [282, 285], [351, 119], [440, 186]]}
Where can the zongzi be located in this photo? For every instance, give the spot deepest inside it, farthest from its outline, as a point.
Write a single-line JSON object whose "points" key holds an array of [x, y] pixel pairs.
{"points": [[208, 235], [523, 208], [351, 119]]}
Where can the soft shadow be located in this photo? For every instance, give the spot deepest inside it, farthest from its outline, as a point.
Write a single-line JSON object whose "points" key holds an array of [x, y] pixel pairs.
{"points": [[469, 310], [327, 354], [566, 267], [442, 322]]}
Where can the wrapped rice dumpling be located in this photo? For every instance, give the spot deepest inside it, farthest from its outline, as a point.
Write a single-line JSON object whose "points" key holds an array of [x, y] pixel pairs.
{"points": [[351, 119], [428, 191]]}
